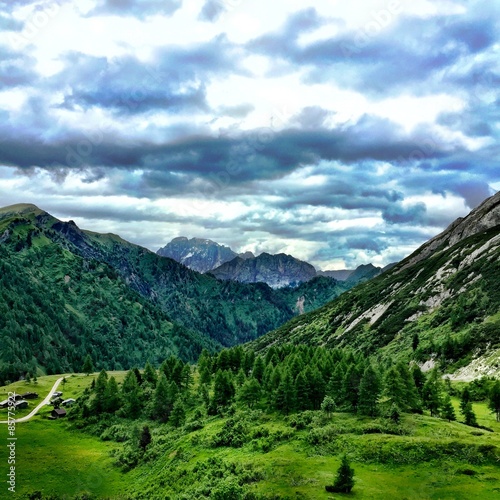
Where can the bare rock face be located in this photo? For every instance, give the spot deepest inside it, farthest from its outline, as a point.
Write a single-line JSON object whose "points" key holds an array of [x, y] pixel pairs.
{"points": [[196, 253], [276, 270], [485, 216]]}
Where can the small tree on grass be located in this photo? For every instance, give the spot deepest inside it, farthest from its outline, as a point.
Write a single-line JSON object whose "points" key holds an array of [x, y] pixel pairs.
{"points": [[447, 410], [494, 400], [469, 415], [345, 478], [88, 365], [178, 415], [328, 406]]}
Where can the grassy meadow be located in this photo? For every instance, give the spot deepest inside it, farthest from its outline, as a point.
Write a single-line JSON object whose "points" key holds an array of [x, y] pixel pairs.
{"points": [[281, 457]]}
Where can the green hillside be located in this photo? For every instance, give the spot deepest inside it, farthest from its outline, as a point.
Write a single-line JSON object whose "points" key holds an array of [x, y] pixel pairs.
{"points": [[67, 292], [241, 427], [442, 303]]}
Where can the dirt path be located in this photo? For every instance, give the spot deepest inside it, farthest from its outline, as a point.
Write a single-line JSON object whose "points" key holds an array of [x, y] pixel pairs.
{"points": [[40, 405]]}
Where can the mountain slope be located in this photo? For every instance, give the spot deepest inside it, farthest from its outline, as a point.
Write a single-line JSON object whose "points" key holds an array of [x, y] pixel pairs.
{"points": [[276, 270], [65, 290], [441, 303], [197, 254]]}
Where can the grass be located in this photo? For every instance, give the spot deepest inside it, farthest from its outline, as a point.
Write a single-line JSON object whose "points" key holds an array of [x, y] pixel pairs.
{"points": [[55, 459]]}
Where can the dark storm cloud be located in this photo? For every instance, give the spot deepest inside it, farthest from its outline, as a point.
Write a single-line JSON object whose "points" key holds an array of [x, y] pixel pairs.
{"points": [[136, 8]]}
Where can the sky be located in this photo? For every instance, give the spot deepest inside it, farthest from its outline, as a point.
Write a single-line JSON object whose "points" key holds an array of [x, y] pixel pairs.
{"points": [[340, 132]]}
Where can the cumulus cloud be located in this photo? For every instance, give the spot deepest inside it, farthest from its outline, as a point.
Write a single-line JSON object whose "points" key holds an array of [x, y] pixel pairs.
{"points": [[136, 8]]}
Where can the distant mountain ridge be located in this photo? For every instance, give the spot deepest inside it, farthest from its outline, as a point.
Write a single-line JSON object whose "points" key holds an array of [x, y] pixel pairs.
{"points": [[277, 271], [198, 254]]}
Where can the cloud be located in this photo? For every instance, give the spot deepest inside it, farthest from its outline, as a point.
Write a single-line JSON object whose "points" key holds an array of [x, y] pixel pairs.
{"points": [[136, 8], [212, 10]]}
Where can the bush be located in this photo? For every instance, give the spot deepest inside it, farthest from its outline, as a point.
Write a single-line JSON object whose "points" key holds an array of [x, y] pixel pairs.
{"points": [[234, 434]]}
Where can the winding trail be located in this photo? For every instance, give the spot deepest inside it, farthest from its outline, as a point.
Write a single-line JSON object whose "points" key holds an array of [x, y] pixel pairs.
{"points": [[36, 409]]}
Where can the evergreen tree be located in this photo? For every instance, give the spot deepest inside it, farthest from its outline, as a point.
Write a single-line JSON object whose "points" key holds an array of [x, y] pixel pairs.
{"points": [[447, 410], [258, 369], [465, 398], [369, 392], [150, 375], [88, 365], [223, 389], [161, 399], [418, 378], [98, 403], [285, 394], [317, 387], [249, 392], [186, 377], [412, 398], [240, 378], [431, 393], [415, 341], [328, 406], [394, 388], [334, 387], [394, 413], [178, 415], [469, 415], [302, 392], [350, 387], [145, 438], [131, 395], [344, 481], [494, 399], [112, 401], [205, 367]]}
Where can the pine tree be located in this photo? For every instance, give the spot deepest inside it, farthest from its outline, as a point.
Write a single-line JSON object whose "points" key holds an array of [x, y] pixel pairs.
{"points": [[98, 403], [145, 438], [131, 395], [415, 341], [447, 410], [161, 399], [394, 389], [205, 367], [418, 378], [258, 369], [150, 375], [494, 400], [344, 481], [249, 392], [112, 401], [285, 394], [302, 391], [178, 415], [334, 387], [350, 386], [369, 392], [223, 389], [88, 365], [412, 397], [328, 406], [431, 393], [469, 415]]}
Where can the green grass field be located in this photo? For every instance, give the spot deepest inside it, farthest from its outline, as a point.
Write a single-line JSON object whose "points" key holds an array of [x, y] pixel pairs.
{"points": [[54, 459]]}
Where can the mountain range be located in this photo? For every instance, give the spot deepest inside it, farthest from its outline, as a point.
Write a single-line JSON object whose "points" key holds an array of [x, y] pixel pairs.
{"points": [[278, 271], [67, 292], [441, 303]]}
